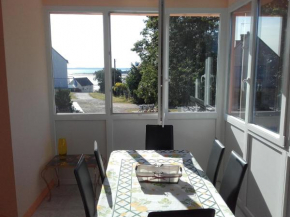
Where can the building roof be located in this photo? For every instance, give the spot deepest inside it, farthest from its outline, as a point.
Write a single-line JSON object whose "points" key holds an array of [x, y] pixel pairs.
{"points": [[59, 54], [83, 81]]}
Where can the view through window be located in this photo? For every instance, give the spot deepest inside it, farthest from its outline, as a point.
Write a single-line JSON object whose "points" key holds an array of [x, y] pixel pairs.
{"points": [[77, 53], [193, 48], [272, 23], [240, 27], [134, 45], [78, 62]]}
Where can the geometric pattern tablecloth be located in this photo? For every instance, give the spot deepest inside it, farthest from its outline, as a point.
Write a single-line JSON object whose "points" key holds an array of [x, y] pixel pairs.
{"points": [[123, 195]]}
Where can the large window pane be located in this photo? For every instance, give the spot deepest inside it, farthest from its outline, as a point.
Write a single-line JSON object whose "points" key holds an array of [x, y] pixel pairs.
{"points": [[77, 53], [193, 46], [240, 33], [272, 22], [134, 45]]}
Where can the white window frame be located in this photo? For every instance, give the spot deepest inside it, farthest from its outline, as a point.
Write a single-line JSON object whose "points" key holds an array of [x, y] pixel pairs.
{"points": [[220, 64]]}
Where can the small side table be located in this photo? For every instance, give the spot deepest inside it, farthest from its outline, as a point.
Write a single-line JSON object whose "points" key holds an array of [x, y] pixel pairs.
{"points": [[70, 161]]}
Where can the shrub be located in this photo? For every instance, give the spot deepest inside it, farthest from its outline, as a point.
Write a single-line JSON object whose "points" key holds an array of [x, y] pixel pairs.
{"points": [[120, 89], [63, 100]]}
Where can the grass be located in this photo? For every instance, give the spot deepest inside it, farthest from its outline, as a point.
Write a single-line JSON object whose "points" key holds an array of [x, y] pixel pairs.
{"points": [[173, 110], [120, 99], [72, 95], [99, 96], [131, 110]]}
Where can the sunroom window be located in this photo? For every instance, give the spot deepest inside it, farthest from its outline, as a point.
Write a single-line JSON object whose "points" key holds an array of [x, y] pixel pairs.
{"points": [[193, 46], [134, 48], [77, 53], [240, 33], [272, 23]]}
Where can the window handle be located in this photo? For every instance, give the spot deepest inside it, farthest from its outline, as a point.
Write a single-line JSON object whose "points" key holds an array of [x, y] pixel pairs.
{"points": [[247, 80]]}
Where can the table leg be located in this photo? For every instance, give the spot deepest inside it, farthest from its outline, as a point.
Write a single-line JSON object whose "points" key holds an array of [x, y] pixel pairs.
{"points": [[57, 175], [43, 177]]}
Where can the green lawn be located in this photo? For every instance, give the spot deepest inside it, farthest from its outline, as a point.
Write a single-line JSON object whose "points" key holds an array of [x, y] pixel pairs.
{"points": [[72, 95], [120, 99], [96, 95]]}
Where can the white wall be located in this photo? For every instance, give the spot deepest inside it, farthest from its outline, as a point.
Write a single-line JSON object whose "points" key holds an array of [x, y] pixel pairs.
{"points": [[194, 135], [28, 96], [80, 137], [263, 186]]}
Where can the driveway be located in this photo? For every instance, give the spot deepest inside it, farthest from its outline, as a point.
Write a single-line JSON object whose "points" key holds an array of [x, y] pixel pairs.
{"points": [[92, 105], [89, 104]]}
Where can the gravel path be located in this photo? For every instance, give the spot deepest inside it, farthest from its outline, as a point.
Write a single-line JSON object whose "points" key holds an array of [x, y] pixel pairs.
{"points": [[92, 105], [89, 104]]}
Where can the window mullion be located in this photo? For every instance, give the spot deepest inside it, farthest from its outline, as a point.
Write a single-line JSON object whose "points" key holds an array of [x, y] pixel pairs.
{"points": [[285, 83], [251, 63], [107, 59], [161, 62]]}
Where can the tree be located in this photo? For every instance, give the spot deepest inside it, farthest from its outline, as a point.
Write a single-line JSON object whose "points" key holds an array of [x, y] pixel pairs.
{"points": [[132, 80], [147, 49], [63, 100], [191, 41], [100, 77]]}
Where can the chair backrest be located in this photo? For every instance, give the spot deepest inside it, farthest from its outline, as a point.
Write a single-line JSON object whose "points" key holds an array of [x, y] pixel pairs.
{"points": [[85, 186], [99, 161], [232, 180], [159, 138], [184, 213], [214, 161]]}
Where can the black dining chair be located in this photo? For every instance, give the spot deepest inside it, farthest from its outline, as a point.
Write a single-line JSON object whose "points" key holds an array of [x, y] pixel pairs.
{"points": [[159, 138], [85, 186], [232, 180], [184, 213], [99, 161], [214, 161]]}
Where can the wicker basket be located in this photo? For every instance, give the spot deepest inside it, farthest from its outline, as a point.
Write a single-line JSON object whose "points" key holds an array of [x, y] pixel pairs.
{"points": [[159, 173]]}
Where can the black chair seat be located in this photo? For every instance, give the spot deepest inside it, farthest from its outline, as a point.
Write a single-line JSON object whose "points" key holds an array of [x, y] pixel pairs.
{"points": [[232, 180], [184, 213], [159, 138]]}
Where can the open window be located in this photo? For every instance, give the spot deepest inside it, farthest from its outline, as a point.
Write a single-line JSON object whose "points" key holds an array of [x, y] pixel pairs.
{"points": [[239, 59], [193, 51], [134, 68]]}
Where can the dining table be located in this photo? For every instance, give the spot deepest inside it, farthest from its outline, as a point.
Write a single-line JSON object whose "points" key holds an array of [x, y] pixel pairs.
{"points": [[123, 195]]}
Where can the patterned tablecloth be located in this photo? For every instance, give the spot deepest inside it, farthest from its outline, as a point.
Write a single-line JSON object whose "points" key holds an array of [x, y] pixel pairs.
{"points": [[123, 195]]}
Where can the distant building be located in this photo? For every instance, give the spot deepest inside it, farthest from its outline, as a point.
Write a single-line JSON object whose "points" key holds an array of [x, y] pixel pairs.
{"points": [[82, 85], [59, 66], [268, 75]]}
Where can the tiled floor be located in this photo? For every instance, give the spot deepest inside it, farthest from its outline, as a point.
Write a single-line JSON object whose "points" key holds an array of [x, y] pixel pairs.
{"points": [[66, 202]]}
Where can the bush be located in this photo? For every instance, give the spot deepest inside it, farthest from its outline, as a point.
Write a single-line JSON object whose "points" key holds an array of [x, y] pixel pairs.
{"points": [[63, 100], [120, 89]]}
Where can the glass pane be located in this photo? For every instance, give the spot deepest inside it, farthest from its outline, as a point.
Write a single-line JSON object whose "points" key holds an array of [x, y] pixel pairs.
{"points": [[134, 47], [77, 53], [272, 22], [193, 46], [240, 32]]}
